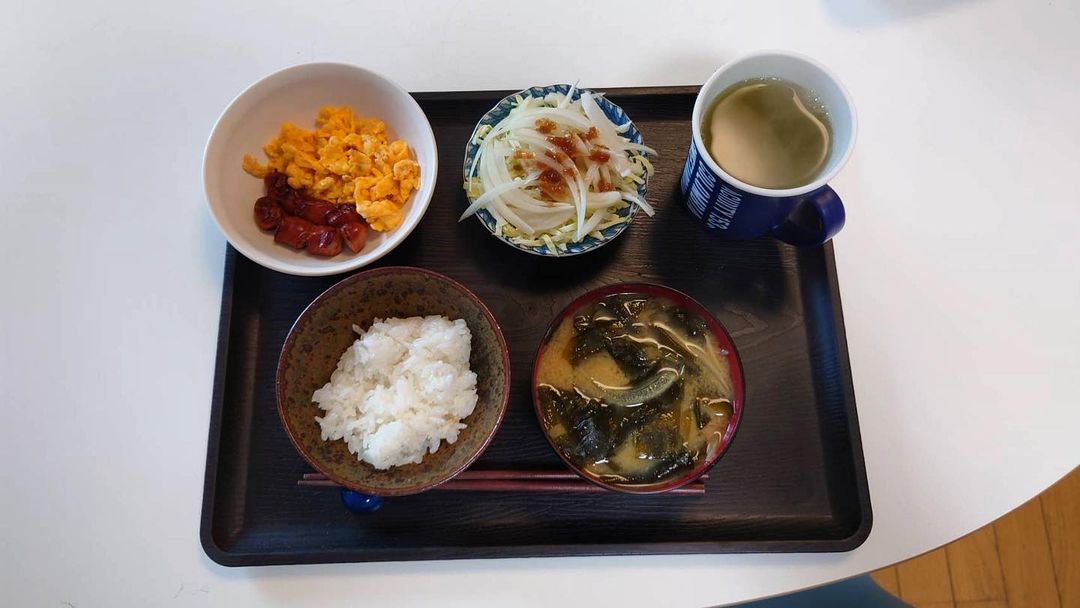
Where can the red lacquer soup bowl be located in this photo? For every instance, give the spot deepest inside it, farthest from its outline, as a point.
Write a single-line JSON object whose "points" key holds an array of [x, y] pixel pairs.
{"points": [[725, 349]]}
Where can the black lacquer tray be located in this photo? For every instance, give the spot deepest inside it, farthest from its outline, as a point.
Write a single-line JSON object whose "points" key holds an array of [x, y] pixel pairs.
{"points": [[794, 479]]}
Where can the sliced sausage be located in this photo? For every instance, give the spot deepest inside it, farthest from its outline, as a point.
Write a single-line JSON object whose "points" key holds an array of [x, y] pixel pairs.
{"points": [[267, 213], [324, 241], [315, 210], [294, 232], [342, 215], [355, 235]]}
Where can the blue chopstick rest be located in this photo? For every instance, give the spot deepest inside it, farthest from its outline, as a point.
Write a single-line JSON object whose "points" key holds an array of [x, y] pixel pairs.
{"points": [[360, 503]]}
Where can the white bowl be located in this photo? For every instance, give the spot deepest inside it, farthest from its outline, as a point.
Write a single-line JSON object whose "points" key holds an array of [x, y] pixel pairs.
{"points": [[295, 95]]}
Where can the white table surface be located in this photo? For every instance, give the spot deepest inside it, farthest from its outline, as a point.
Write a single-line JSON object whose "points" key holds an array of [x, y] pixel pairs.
{"points": [[958, 267]]}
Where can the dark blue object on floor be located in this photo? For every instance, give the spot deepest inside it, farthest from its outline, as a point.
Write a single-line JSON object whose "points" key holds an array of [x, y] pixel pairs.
{"points": [[360, 503], [858, 592]]}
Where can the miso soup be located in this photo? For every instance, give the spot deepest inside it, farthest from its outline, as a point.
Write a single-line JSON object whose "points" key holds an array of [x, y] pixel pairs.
{"points": [[634, 389]]}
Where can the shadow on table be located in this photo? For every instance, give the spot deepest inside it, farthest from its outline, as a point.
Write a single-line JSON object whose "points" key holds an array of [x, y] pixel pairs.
{"points": [[858, 592], [209, 248], [290, 585], [869, 13]]}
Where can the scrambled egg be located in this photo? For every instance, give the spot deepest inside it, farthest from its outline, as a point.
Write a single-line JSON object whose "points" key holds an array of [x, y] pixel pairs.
{"points": [[346, 159]]}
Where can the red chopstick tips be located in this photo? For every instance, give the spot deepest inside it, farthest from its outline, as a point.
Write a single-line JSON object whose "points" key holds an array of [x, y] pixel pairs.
{"points": [[516, 481]]}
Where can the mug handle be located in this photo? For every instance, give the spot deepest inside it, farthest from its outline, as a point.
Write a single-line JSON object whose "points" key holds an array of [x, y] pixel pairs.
{"points": [[813, 220]]}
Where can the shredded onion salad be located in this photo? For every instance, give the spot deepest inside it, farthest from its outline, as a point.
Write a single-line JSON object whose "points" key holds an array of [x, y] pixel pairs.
{"points": [[556, 170]]}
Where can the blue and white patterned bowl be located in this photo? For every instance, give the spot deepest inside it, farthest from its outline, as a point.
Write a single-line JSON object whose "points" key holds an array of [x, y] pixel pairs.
{"points": [[495, 115]]}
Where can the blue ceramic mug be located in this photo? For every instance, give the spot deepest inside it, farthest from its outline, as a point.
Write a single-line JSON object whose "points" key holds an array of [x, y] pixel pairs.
{"points": [[807, 215]]}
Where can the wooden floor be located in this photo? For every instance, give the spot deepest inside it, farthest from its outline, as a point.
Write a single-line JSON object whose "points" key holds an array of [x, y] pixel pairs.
{"points": [[1030, 557]]}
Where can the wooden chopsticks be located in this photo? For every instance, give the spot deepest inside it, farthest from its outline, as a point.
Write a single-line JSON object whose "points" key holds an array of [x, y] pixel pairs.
{"points": [[516, 481]]}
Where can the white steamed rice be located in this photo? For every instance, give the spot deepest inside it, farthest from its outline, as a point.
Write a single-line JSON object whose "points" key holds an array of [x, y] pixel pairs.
{"points": [[400, 390]]}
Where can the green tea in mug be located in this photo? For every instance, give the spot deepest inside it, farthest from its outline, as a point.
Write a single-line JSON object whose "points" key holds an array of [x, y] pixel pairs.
{"points": [[768, 133]]}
